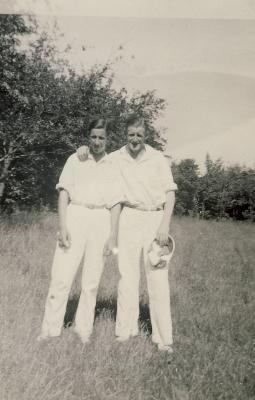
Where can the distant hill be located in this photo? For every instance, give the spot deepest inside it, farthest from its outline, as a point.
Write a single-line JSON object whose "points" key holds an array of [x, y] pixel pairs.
{"points": [[202, 105]]}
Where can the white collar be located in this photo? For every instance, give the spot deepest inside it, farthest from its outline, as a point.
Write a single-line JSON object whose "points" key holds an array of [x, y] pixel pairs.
{"points": [[105, 158], [149, 152]]}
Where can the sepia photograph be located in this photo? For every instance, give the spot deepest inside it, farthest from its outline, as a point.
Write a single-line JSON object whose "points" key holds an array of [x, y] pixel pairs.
{"points": [[127, 200]]}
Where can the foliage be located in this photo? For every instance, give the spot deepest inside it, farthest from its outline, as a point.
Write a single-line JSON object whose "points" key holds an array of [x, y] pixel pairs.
{"points": [[45, 110], [187, 179], [222, 192]]}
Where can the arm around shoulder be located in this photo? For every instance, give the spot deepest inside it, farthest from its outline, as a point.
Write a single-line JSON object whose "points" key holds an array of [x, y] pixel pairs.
{"points": [[82, 153]]}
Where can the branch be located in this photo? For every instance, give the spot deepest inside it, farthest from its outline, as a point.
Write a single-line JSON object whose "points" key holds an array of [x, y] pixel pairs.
{"points": [[7, 161]]}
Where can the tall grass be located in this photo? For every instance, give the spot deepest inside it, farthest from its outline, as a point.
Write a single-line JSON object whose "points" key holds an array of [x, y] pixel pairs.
{"points": [[212, 298]]}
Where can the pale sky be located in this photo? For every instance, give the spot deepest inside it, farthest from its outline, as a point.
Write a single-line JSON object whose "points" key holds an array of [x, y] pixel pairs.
{"points": [[202, 65], [229, 9]]}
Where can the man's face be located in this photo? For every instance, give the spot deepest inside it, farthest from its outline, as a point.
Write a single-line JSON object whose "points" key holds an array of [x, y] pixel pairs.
{"points": [[97, 141], [135, 139]]}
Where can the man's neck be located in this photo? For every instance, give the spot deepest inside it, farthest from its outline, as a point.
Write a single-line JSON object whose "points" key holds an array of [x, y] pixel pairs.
{"points": [[136, 155], [97, 157]]}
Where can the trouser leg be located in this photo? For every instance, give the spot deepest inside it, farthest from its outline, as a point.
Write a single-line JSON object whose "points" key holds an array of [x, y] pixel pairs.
{"points": [[64, 268], [92, 271], [158, 288], [129, 268]]}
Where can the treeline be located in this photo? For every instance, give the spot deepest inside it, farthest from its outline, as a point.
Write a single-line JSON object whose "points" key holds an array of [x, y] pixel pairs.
{"points": [[45, 109], [222, 192]]}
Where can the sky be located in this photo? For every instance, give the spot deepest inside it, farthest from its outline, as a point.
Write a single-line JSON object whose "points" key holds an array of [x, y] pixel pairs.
{"points": [[200, 59]]}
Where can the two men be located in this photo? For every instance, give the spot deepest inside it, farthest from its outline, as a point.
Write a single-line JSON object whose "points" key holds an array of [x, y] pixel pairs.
{"points": [[87, 191], [149, 195]]}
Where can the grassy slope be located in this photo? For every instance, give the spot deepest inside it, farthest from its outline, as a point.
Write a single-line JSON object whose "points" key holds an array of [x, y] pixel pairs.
{"points": [[212, 296]]}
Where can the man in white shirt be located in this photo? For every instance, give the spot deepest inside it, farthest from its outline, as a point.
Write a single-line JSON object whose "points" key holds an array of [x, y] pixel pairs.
{"points": [[149, 196], [87, 191]]}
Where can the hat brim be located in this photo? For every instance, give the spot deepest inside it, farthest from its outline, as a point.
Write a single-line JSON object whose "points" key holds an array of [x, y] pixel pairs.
{"points": [[156, 259]]}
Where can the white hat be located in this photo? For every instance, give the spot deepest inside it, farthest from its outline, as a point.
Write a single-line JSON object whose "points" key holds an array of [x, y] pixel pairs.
{"points": [[157, 253]]}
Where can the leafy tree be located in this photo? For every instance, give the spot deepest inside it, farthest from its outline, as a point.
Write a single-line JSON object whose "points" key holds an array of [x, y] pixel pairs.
{"points": [[186, 176], [226, 191], [240, 193], [12, 101], [212, 193], [46, 108]]}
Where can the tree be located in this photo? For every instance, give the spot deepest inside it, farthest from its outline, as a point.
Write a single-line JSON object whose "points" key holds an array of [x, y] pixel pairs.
{"points": [[12, 63], [212, 189], [186, 176], [45, 111], [241, 193]]}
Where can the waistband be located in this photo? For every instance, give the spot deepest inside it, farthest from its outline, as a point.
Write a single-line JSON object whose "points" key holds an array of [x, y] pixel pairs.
{"points": [[86, 205], [144, 208]]}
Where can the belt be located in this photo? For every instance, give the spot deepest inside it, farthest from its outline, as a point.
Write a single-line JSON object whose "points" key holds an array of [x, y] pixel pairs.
{"points": [[90, 206], [144, 208]]}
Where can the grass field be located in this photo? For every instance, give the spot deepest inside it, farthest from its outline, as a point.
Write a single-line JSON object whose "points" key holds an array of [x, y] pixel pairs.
{"points": [[213, 310]]}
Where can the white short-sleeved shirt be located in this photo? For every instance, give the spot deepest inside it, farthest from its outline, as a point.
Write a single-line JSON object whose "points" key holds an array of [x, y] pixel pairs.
{"points": [[145, 181], [91, 183]]}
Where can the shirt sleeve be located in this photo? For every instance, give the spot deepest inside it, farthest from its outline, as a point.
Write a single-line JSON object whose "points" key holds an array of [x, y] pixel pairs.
{"points": [[166, 177], [66, 179]]}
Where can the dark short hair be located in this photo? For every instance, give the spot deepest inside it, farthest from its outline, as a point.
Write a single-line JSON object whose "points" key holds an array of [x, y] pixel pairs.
{"points": [[136, 120], [99, 123]]}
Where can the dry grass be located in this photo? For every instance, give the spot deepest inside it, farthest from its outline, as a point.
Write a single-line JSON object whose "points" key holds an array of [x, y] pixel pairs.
{"points": [[213, 299]]}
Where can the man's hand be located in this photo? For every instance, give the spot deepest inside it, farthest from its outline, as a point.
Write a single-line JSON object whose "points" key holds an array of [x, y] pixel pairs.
{"points": [[162, 234], [83, 153], [64, 238], [110, 246]]}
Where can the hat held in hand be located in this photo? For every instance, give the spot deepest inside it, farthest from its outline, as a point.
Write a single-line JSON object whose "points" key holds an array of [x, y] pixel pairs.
{"points": [[160, 256]]}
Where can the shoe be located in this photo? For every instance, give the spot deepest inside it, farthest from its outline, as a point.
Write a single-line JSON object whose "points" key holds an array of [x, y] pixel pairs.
{"points": [[84, 338], [125, 338], [165, 348], [122, 339], [43, 337]]}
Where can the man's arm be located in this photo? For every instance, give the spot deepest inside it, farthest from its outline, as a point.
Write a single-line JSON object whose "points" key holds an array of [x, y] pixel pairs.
{"points": [[64, 237], [112, 242], [163, 230]]}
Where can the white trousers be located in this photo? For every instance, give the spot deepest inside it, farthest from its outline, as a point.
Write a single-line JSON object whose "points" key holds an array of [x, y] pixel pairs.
{"points": [[89, 230], [136, 233]]}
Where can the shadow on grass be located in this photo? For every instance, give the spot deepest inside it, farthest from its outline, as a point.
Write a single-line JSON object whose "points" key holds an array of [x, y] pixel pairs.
{"points": [[107, 306], [71, 309]]}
